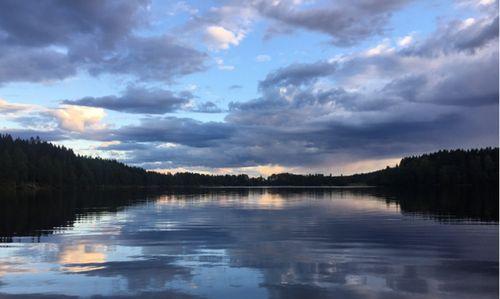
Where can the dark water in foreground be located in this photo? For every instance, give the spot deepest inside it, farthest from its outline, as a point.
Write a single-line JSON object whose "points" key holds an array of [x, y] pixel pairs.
{"points": [[250, 243]]}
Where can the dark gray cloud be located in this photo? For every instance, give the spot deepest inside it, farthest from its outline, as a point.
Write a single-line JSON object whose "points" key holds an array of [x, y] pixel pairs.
{"points": [[34, 64], [44, 23], [468, 83], [297, 74], [159, 58], [314, 143], [149, 101], [459, 35], [126, 146], [53, 40], [346, 22], [138, 100], [207, 107], [184, 131]]}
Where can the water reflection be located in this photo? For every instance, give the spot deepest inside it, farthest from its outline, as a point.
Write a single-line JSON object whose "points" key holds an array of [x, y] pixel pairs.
{"points": [[251, 243], [82, 257]]}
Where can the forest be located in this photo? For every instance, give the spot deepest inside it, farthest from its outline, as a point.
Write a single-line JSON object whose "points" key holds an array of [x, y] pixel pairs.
{"points": [[35, 163]]}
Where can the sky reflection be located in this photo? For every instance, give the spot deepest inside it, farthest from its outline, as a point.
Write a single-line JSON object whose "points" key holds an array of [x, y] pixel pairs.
{"points": [[262, 243]]}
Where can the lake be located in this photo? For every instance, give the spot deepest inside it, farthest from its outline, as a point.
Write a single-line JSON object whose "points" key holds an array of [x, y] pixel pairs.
{"points": [[250, 243]]}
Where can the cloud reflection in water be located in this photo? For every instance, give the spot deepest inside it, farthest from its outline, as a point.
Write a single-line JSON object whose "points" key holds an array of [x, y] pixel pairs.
{"points": [[254, 243]]}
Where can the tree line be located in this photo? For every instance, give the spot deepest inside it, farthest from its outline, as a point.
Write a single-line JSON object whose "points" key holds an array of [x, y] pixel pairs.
{"points": [[38, 163]]}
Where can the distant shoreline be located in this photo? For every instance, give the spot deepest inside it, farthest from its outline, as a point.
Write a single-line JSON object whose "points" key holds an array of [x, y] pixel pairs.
{"points": [[32, 187], [35, 164], [292, 187]]}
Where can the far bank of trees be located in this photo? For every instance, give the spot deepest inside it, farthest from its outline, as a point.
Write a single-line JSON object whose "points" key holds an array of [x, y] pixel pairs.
{"points": [[455, 167], [38, 163]]}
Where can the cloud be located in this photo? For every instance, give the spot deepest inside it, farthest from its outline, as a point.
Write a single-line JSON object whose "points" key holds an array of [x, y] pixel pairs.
{"points": [[467, 35], [308, 145], [27, 116], [138, 100], [206, 107], [51, 22], [13, 108], [222, 27], [184, 131], [48, 40], [183, 7], [54, 124], [346, 22], [159, 58], [78, 118], [405, 41], [220, 38], [34, 64], [222, 66], [297, 74], [484, 5], [262, 58], [380, 49]]}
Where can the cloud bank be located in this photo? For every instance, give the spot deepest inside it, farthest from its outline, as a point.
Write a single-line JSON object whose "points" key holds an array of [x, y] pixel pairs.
{"points": [[405, 95]]}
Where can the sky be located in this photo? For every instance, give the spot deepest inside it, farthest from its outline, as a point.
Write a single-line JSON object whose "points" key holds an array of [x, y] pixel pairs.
{"points": [[256, 87]]}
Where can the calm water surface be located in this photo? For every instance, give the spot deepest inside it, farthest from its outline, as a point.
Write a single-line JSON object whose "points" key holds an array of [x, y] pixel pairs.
{"points": [[250, 243]]}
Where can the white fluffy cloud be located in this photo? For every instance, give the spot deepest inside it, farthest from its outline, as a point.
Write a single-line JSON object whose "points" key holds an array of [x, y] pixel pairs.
{"points": [[220, 38], [78, 118], [405, 41]]}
